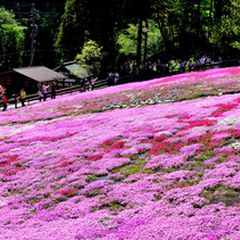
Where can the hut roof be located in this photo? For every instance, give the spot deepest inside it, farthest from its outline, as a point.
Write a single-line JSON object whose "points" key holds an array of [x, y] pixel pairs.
{"points": [[39, 73]]}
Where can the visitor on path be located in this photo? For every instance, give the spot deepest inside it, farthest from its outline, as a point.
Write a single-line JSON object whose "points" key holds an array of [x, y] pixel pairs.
{"points": [[15, 97], [83, 85], [182, 66], [4, 102], [134, 68], [110, 78], [53, 90], [45, 91], [22, 97], [2, 91], [203, 61], [40, 94], [93, 82], [89, 83], [116, 78]]}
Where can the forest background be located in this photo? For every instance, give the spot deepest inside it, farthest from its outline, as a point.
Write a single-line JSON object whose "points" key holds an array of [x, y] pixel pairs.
{"points": [[111, 32]]}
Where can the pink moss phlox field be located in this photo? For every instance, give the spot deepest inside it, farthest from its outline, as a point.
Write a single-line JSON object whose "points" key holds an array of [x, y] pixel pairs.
{"points": [[167, 171], [133, 94]]}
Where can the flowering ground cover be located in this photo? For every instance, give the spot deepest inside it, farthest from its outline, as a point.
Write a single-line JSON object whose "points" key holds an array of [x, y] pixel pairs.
{"points": [[165, 171], [169, 89]]}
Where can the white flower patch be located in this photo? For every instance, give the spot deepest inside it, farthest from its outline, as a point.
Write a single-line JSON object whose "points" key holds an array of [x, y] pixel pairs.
{"points": [[131, 151], [202, 104], [14, 150], [196, 131], [2, 137], [229, 121], [3, 203], [164, 133], [21, 129], [236, 146], [47, 153]]}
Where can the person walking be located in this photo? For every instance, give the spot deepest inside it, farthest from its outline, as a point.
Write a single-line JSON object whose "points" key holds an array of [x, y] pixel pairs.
{"points": [[110, 78], [116, 78], [83, 85], [40, 94], [89, 83], [4, 102], [22, 97], [45, 91], [93, 82], [15, 97]]}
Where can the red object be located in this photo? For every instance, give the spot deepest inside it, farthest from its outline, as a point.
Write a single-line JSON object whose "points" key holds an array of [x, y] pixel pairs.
{"points": [[4, 100]]}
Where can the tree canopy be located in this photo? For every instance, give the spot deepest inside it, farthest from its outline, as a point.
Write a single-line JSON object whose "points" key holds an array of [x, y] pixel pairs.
{"points": [[11, 39], [90, 57], [175, 28]]}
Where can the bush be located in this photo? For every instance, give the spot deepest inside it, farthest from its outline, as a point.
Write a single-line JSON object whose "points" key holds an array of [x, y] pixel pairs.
{"points": [[91, 56]]}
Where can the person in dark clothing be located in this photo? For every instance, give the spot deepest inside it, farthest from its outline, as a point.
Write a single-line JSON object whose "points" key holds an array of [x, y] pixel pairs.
{"points": [[53, 90], [40, 94], [15, 97], [110, 79], [89, 83], [83, 85], [93, 82]]}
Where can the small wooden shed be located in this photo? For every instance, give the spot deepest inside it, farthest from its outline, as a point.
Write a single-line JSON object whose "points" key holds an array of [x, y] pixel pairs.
{"points": [[29, 78], [74, 71]]}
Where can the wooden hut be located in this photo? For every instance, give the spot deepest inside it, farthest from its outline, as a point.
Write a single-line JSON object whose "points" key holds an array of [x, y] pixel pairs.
{"points": [[29, 78], [74, 72]]}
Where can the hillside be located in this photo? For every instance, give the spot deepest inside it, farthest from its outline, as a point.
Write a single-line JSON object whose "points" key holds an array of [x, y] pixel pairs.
{"points": [[149, 160]]}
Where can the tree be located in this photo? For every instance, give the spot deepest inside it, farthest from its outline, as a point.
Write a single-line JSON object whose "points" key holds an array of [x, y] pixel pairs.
{"points": [[142, 10], [127, 40], [11, 39], [48, 27], [226, 32], [91, 56], [169, 17], [187, 28], [71, 33]]}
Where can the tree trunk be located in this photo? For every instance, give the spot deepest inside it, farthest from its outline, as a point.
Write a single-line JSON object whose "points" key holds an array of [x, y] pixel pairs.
{"points": [[139, 42], [165, 41], [199, 15], [218, 8], [145, 42], [211, 11]]}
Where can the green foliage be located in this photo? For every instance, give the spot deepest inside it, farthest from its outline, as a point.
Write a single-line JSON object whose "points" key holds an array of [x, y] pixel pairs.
{"points": [[47, 32], [127, 41], [91, 56], [174, 66], [91, 178], [177, 28], [222, 194], [113, 205], [135, 167], [59, 200], [70, 35], [93, 193], [11, 39], [226, 32], [33, 200]]}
